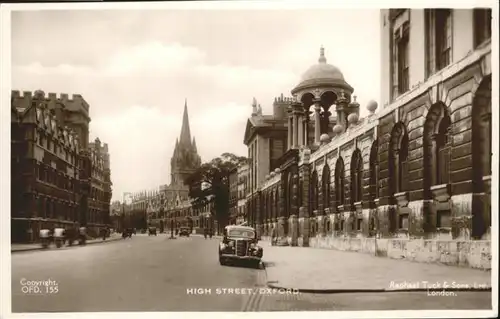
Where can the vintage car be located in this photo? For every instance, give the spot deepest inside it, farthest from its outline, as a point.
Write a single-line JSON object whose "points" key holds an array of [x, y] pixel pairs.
{"points": [[152, 231], [184, 231], [239, 243]]}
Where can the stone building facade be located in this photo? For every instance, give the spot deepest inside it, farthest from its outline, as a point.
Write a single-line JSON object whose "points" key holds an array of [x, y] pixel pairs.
{"points": [[242, 193], [233, 196], [99, 199], [411, 180], [52, 166]]}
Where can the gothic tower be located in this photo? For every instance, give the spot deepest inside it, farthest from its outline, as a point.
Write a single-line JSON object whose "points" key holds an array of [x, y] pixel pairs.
{"points": [[185, 159]]}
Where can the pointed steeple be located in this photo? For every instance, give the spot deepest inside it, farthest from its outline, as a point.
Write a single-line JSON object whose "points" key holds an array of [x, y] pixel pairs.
{"points": [[185, 138], [194, 145]]}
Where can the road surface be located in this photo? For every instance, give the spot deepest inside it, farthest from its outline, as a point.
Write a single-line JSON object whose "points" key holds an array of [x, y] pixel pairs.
{"points": [[157, 274]]}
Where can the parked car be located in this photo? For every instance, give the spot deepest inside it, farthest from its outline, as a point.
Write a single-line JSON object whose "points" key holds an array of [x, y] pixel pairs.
{"points": [[184, 231], [152, 231], [239, 243]]}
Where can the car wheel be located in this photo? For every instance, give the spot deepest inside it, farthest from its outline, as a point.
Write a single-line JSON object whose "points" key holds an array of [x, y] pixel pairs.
{"points": [[222, 261]]}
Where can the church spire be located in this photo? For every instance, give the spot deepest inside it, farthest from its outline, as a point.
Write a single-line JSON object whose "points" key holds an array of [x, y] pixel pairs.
{"points": [[185, 138], [194, 145]]}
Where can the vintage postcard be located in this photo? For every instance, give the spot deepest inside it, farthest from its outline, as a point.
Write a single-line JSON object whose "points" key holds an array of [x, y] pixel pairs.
{"points": [[230, 157]]}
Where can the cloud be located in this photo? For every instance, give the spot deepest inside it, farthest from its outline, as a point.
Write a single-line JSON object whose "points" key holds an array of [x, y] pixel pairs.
{"points": [[141, 142]]}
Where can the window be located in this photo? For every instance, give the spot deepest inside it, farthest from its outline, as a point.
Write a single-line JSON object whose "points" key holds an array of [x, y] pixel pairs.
{"points": [[400, 36], [339, 182], [443, 151], [482, 26], [438, 39], [443, 219], [326, 186], [402, 48], [356, 177], [398, 155], [313, 191], [374, 171], [437, 128]]}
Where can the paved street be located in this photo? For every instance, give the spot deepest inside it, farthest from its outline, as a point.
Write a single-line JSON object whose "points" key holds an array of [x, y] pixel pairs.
{"points": [[153, 274], [139, 274]]}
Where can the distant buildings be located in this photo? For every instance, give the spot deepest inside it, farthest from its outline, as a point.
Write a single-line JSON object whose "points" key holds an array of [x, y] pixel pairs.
{"points": [[58, 178], [233, 196], [242, 192], [411, 180], [169, 203]]}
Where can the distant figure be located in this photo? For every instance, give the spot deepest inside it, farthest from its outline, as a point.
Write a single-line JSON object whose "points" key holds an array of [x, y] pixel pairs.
{"points": [[274, 236], [59, 236], [82, 235], [45, 237], [69, 235]]}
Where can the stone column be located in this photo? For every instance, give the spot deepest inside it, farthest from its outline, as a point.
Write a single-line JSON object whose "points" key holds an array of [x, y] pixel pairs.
{"points": [[294, 225], [295, 130], [290, 132], [304, 222], [326, 122], [306, 132], [301, 131], [321, 229], [317, 123]]}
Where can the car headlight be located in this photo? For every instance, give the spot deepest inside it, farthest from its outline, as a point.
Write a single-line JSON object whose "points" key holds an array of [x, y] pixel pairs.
{"points": [[231, 244], [253, 246]]}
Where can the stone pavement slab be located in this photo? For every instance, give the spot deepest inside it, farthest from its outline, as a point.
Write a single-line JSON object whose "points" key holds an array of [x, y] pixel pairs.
{"points": [[325, 270], [28, 247]]}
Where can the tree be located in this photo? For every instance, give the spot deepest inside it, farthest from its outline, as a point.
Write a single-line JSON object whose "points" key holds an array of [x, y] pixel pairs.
{"points": [[210, 183]]}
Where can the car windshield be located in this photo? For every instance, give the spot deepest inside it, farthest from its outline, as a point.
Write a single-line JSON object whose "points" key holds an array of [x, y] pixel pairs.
{"points": [[240, 233]]}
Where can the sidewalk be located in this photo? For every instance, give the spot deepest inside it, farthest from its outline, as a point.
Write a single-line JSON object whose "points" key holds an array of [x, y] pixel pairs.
{"points": [[15, 248], [329, 271]]}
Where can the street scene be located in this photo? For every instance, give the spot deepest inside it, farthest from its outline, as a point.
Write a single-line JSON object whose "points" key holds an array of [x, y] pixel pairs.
{"points": [[155, 168], [147, 273]]}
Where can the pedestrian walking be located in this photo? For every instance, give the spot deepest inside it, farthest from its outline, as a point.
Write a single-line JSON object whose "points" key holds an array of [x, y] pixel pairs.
{"points": [[45, 237], [274, 236]]}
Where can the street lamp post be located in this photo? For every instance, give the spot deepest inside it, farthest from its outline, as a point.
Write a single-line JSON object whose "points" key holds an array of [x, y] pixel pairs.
{"points": [[123, 207], [172, 222]]}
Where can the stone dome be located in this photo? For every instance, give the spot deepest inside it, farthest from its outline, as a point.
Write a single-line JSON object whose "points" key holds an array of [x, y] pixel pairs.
{"points": [[322, 72]]}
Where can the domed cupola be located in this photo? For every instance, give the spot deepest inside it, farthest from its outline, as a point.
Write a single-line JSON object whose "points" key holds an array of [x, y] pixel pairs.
{"points": [[322, 74]]}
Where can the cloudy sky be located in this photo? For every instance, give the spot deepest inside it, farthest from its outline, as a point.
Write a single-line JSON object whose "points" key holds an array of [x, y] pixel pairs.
{"points": [[135, 68]]}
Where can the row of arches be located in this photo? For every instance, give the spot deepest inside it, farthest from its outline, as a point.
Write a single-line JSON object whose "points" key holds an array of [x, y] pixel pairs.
{"points": [[467, 132]]}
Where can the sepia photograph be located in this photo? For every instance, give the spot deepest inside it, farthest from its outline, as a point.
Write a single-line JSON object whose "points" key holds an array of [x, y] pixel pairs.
{"points": [[230, 157]]}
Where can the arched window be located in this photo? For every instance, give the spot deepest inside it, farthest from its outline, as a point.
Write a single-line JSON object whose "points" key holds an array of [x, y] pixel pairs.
{"points": [[356, 177], [313, 191], [326, 186], [339, 182], [398, 156], [374, 172], [436, 146]]}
